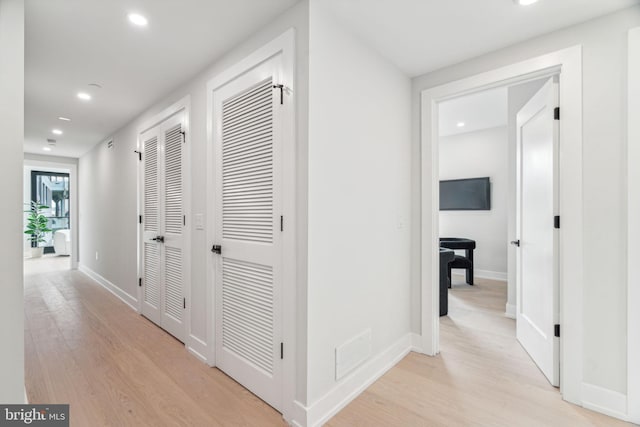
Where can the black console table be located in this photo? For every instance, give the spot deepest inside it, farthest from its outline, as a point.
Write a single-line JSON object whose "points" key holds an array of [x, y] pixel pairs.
{"points": [[464, 262]]}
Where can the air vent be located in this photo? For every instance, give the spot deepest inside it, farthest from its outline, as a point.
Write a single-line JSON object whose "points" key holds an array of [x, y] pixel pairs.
{"points": [[51, 142], [110, 143]]}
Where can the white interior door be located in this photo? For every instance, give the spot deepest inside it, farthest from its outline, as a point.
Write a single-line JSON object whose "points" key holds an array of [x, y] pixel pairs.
{"points": [[163, 226], [248, 276], [537, 268]]}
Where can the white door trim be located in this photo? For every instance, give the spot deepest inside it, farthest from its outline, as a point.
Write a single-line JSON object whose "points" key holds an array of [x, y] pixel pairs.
{"points": [[72, 169], [184, 104], [285, 45], [569, 61], [633, 235]]}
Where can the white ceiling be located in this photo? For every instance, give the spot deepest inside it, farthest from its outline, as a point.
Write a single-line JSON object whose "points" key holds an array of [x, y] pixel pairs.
{"points": [[424, 35], [483, 110], [71, 43]]}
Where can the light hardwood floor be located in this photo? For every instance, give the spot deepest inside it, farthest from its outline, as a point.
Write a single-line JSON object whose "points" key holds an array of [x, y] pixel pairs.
{"points": [[85, 347], [482, 376]]}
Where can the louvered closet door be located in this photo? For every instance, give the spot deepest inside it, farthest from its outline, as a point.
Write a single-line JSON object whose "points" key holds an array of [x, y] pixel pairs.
{"points": [[248, 206], [151, 227], [163, 226], [172, 307]]}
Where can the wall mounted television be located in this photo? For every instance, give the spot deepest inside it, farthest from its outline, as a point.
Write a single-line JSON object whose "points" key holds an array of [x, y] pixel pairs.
{"points": [[472, 194]]}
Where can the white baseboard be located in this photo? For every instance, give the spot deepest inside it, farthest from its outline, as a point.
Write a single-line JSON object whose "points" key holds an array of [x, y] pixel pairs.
{"points": [[491, 275], [605, 401], [198, 348], [26, 398], [510, 311], [122, 295], [352, 385]]}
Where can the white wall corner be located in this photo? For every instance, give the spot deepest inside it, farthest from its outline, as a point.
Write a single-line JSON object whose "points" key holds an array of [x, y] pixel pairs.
{"points": [[416, 343], [119, 293], [510, 311], [353, 384], [605, 401]]}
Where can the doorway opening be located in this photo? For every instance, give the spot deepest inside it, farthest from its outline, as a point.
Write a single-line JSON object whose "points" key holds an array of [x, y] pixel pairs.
{"points": [[497, 197], [49, 193], [566, 64]]}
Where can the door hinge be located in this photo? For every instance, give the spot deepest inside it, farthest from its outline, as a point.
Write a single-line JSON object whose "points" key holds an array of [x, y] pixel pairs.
{"points": [[556, 113], [281, 223], [184, 136], [139, 154], [140, 281], [184, 303], [281, 87], [184, 220], [140, 219], [556, 221], [281, 350], [556, 330]]}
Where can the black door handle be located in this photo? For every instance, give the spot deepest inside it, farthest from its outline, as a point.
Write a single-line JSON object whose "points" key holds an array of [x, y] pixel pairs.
{"points": [[516, 242], [216, 249], [159, 239]]}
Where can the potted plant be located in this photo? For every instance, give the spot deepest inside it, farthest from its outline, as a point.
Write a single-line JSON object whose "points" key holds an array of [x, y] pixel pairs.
{"points": [[37, 227]]}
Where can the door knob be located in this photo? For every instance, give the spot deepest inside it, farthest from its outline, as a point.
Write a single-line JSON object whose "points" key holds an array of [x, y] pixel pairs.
{"points": [[516, 242], [216, 249], [159, 239]]}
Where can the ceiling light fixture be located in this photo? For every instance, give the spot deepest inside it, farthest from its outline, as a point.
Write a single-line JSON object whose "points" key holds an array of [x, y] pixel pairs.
{"points": [[84, 96], [460, 124], [525, 2], [56, 132], [46, 148], [137, 19], [64, 119]]}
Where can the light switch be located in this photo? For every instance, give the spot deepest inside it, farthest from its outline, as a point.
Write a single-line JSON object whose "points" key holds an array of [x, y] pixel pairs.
{"points": [[199, 221]]}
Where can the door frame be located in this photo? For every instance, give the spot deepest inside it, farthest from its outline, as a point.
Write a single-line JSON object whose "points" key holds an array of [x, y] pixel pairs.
{"points": [[285, 45], [182, 105], [633, 235], [569, 62]]}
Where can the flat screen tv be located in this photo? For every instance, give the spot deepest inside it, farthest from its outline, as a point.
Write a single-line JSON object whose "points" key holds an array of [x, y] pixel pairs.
{"points": [[472, 194]]}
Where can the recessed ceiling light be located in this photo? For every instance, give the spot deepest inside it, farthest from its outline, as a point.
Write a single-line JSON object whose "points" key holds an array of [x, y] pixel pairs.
{"points": [[460, 124], [137, 19], [56, 131], [84, 96], [46, 148], [525, 2], [64, 119]]}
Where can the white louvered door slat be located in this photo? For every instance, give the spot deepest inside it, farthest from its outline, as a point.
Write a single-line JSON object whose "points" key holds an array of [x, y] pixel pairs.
{"points": [[248, 207], [163, 216], [151, 256]]}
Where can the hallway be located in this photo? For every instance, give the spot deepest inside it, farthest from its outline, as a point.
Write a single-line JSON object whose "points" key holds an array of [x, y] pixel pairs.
{"points": [[85, 347]]}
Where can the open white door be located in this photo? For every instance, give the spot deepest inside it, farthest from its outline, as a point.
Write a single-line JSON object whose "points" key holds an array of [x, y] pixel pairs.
{"points": [[537, 206], [163, 222], [247, 131]]}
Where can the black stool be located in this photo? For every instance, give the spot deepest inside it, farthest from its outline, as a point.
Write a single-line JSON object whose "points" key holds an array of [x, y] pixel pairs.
{"points": [[464, 262]]}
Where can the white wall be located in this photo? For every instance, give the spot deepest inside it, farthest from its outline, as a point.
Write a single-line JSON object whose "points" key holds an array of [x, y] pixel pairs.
{"points": [[12, 130], [517, 96], [108, 204], [474, 155], [359, 145], [604, 87]]}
